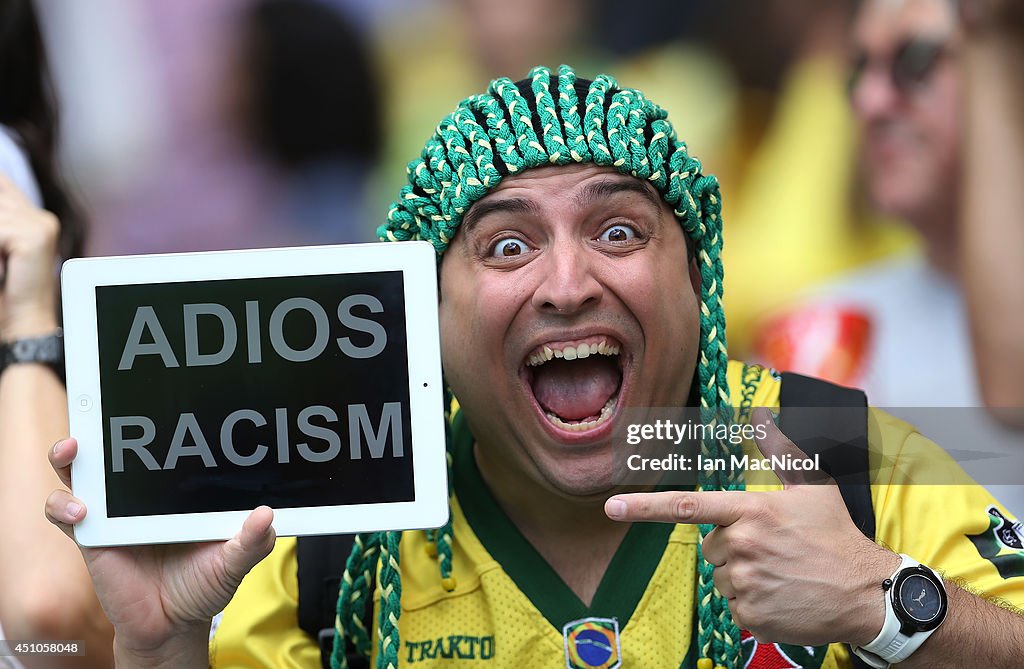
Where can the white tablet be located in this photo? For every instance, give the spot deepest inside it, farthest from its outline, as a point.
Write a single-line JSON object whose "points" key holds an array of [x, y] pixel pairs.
{"points": [[202, 385]]}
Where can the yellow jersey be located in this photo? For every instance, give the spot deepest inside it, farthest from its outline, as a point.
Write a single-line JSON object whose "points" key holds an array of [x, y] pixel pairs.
{"points": [[510, 609]]}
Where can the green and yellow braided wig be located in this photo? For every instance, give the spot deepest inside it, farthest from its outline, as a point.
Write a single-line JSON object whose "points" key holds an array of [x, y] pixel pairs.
{"points": [[550, 119]]}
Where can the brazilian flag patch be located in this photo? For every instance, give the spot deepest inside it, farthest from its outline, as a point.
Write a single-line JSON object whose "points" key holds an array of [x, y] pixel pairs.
{"points": [[1002, 543], [592, 643]]}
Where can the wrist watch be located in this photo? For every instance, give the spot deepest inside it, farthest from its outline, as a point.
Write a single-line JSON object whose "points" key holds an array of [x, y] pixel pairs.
{"points": [[47, 349], [915, 606]]}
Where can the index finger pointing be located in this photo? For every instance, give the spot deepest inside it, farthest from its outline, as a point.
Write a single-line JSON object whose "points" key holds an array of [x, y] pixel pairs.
{"points": [[714, 507]]}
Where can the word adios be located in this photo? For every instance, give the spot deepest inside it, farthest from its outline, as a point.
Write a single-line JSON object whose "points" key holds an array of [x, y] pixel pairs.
{"points": [[146, 320]]}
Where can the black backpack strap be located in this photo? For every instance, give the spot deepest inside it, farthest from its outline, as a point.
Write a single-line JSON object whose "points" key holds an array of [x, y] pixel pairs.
{"points": [[839, 437], [321, 563]]}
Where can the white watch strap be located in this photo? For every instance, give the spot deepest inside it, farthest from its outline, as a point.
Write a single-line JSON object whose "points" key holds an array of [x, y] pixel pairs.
{"points": [[890, 646], [870, 659]]}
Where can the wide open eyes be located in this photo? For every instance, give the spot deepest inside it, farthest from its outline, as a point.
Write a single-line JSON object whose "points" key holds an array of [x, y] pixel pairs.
{"points": [[511, 247], [618, 233], [508, 247]]}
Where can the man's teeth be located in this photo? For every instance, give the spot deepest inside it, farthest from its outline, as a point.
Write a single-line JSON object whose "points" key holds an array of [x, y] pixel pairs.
{"points": [[606, 412], [572, 352]]}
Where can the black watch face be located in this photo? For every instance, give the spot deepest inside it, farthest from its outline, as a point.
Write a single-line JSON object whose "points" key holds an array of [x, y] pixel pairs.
{"points": [[920, 598]]}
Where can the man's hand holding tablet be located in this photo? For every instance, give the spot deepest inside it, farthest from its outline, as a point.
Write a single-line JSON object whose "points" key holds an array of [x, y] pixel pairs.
{"points": [[161, 598], [203, 386]]}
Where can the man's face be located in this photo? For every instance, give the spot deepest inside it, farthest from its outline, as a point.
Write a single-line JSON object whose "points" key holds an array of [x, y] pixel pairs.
{"points": [[550, 260], [905, 94]]}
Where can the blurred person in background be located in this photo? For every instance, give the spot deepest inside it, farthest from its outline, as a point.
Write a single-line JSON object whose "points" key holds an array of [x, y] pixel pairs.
{"points": [[790, 118], [905, 90], [45, 591], [458, 46], [506, 37], [253, 156], [871, 328], [304, 79], [992, 203], [900, 328]]}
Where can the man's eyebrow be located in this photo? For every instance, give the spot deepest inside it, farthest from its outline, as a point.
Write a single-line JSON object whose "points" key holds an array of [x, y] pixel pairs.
{"points": [[483, 208], [609, 187]]}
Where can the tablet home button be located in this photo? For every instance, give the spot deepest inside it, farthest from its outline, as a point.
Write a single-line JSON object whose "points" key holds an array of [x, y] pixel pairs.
{"points": [[84, 403]]}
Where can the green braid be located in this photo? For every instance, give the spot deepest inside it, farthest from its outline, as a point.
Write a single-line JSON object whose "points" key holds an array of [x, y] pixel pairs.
{"points": [[554, 144], [751, 374], [390, 601], [443, 537], [543, 121], [718, 637], [353, 597], [359, 573]]}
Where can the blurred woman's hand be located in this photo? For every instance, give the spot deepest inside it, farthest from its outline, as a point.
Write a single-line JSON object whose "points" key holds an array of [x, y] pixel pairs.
{"points": [[28, 255]]}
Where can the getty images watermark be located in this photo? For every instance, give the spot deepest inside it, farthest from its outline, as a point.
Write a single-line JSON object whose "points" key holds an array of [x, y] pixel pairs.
{"points": [[674, 445], [667, 432], [925, 446]]}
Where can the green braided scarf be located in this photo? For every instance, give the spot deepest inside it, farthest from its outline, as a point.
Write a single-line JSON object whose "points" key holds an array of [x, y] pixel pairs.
{"points": [[551, 119]]}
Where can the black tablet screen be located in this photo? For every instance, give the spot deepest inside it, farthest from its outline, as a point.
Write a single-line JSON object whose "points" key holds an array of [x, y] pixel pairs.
{"points": [[224, 395]]}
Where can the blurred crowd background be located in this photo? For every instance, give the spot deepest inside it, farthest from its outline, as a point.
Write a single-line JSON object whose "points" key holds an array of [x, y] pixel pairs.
{"points": [[870, 154], [195, 125]]}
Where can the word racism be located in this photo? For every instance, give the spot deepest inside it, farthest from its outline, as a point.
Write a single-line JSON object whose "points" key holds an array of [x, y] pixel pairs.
{"points": [[666, 430], [148, 341], [189, 439]]}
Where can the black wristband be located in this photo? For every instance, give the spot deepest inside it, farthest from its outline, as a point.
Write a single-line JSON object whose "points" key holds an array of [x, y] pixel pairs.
{"points": [[47, 349]]}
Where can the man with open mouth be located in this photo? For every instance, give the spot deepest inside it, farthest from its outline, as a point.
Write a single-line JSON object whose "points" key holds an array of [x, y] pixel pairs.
{"points": [[580, 277]]}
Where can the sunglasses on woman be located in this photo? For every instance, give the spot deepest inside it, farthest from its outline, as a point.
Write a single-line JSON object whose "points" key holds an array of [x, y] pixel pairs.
{"points": [[909, 69]]}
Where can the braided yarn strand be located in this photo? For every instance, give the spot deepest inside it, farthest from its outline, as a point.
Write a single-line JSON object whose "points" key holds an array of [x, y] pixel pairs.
{"points": [[443, 537], [390, 601], [718, 636], [557, 119], [353, 597]]}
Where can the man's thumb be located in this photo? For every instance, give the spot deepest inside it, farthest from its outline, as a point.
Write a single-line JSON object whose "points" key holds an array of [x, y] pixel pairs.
{"points": [[252, 543]]}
